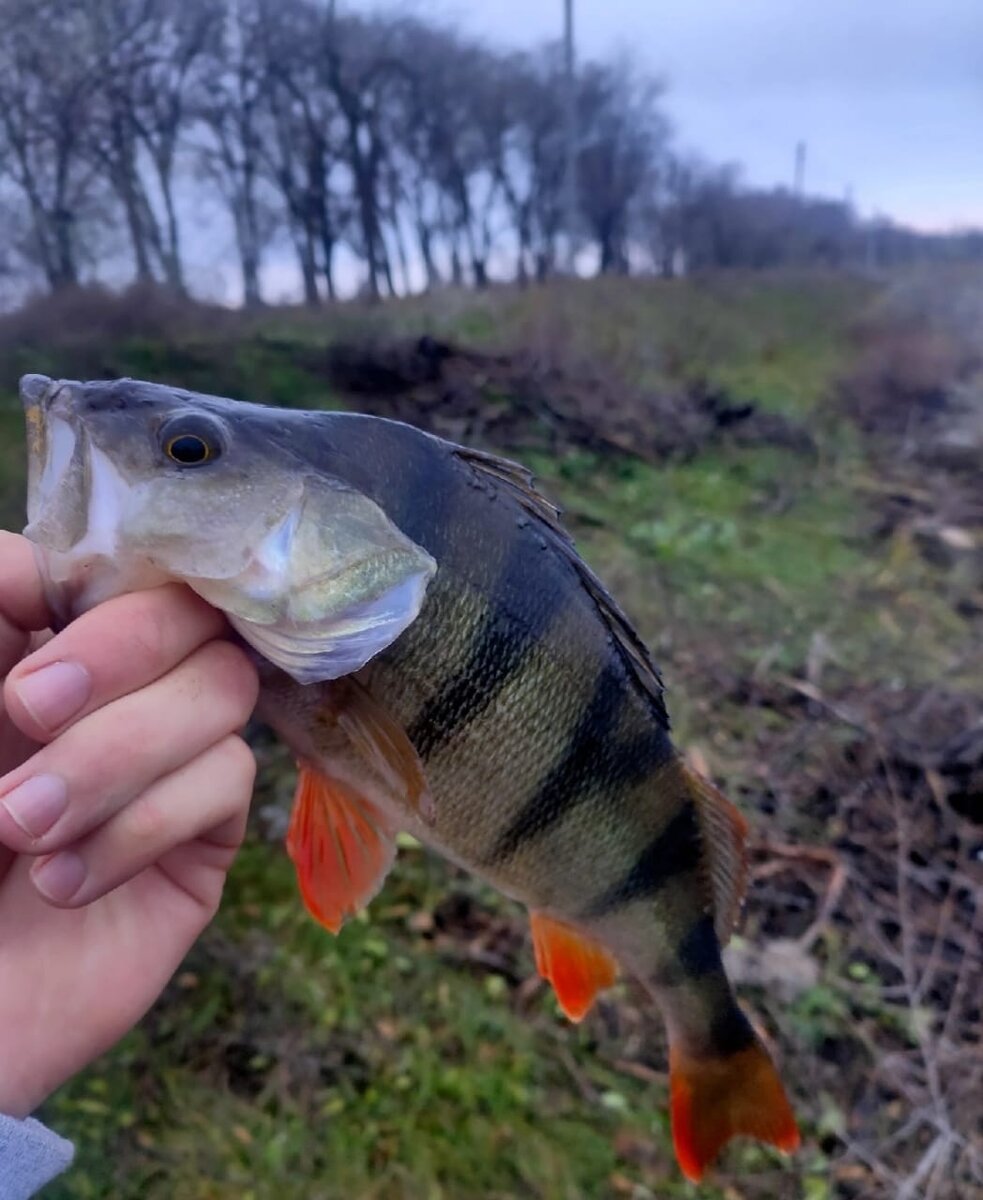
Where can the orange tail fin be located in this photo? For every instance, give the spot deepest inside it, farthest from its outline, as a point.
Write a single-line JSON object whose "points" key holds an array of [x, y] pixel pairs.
{"points": [[716, 1099]]}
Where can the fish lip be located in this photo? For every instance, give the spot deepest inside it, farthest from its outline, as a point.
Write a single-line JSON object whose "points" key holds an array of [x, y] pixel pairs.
{"points": [[44, 398], [53, 433], [34, 390]]}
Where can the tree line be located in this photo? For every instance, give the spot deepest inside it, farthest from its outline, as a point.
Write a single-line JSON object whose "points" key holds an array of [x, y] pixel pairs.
{"points": [[426, 155]]}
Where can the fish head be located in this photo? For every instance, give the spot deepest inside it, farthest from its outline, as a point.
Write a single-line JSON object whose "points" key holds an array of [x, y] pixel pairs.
{"points": [[132, 484]]}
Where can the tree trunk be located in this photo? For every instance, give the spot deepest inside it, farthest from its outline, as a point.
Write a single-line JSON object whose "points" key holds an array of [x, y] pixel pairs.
{"points": [[141, 257], [457, 271], [308, 267], [66, 271], [387, 270], [424, 236], [327, 266], [248, 246], [522, 257], [366, 204], [172, 259], [63, 220], [607, 251]]}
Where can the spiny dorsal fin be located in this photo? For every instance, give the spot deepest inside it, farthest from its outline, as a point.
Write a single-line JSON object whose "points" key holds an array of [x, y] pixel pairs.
{"points": [[519, 484], [723, 831]]}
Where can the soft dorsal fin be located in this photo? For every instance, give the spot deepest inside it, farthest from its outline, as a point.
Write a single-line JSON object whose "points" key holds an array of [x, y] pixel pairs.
{"points": [[723, 832], [518, 483]]}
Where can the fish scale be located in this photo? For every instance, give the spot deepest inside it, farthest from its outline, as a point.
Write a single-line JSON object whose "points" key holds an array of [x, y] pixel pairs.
{"points": [[442, 662]]}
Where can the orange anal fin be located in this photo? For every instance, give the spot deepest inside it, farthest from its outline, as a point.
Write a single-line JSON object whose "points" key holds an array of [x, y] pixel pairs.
{"points": [[576, 966], [340, 847], [716, 1099]]}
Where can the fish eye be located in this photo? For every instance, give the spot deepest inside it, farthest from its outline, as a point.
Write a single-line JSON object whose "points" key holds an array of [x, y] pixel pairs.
{"points": [[191, 443]]}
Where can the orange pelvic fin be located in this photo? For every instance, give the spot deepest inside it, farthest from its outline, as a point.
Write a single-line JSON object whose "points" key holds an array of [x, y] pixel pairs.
{"points": [[716, 1099], [383, 745], [724, 834], [576, 966], [340, 847]]}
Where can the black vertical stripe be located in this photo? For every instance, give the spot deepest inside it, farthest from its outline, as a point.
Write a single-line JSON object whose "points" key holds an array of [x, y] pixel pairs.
{"points": [[593, 759], [731, 1031], [673, 852], [699, 950], [499, 646], [586, 761]]}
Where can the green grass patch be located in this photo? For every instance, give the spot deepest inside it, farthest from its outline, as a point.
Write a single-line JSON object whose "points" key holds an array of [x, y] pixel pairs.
{"points": [[285, 1062]]}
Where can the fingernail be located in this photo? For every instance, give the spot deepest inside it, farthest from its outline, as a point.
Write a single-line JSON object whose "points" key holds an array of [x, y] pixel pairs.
{"points": [[37, 803], [59, 877], [55, 693]]}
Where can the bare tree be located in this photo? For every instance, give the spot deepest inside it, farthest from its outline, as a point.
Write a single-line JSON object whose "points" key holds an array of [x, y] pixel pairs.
{"points": [[462, 121], [47, 87], [623, 142], [402, 140], [532, 166], [230, 108], [304, 154], [366, 73]]}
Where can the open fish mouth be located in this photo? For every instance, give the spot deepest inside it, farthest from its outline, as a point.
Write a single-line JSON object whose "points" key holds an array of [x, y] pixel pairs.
{"points": [[74, 503], [53, 448]]}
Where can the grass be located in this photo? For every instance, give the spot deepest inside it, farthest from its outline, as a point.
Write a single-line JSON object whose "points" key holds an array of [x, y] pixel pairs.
{"points": [[391, 1062], [380, 1070]]}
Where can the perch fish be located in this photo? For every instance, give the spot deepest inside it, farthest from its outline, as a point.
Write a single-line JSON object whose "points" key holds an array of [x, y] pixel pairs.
{"points": [[441, 662]]}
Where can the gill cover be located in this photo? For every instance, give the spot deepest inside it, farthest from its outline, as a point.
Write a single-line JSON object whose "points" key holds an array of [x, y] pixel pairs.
{"points": [[330, 585]]}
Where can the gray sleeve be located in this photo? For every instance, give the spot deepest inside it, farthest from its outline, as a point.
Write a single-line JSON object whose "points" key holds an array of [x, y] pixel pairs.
{"points": [[30, 1156]]}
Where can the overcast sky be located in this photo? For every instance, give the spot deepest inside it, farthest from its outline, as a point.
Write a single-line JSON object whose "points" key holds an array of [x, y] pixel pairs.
{"points": [[887, 94]]}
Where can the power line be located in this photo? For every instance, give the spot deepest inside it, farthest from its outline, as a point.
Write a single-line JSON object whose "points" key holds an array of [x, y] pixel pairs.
{"points": [[570, 136]]}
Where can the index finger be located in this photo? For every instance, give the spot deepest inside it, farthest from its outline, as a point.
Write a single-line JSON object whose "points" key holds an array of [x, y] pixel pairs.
{"points": [[117, 647], [22, 606], [21, 591]]}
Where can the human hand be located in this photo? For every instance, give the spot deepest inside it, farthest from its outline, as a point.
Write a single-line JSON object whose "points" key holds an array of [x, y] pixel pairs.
{"points": [[124, 790]]}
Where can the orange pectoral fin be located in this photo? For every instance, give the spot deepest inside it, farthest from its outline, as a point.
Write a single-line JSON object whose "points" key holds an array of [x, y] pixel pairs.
{"points": [[383, 745], [577, 967], [716, 1099], [340, 847]]}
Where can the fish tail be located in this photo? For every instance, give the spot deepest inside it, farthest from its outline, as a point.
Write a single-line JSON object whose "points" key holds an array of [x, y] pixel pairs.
{"points": [[725, 1093]]}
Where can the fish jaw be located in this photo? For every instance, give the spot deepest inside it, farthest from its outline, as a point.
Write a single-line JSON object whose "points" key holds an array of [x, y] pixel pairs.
{"points": [[76, 498]]}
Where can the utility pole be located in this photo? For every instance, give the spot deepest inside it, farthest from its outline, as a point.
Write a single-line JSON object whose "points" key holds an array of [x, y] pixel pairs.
{"points": [[570, 206], [800, 168]]}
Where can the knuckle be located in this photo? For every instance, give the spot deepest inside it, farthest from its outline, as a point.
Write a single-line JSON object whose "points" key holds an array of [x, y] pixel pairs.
{"points": [[147, 821], [157, 625], [149, 624], [240, 764], [234, 677]]}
